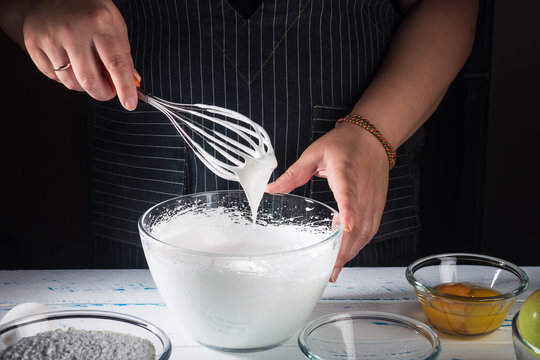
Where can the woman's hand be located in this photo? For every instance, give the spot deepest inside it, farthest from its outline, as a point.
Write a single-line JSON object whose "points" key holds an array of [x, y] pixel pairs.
{"points": [[427, 51], [91, 35], [356, 166]]}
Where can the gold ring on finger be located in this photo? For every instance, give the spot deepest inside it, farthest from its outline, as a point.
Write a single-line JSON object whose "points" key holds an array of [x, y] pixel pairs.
{"points": [[63, 67]]}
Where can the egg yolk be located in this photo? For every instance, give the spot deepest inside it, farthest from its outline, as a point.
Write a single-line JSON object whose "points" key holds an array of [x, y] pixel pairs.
{"points": [[462, 316]]}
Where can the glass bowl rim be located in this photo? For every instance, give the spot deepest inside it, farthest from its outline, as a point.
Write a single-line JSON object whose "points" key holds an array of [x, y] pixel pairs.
{"points": [[425, 330], [240, 256], [93, 314], [488, 260], [517, 334]]}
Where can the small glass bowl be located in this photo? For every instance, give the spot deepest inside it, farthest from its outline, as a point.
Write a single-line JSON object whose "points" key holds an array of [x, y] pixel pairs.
{"points": [[13, 331], [368, 335], [524, 350], [494, 284]]}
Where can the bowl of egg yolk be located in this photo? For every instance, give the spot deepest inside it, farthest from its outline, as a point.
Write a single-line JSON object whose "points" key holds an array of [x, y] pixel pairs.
{"points": [[466, 294]]}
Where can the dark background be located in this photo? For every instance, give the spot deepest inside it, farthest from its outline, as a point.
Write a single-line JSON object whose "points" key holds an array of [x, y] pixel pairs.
{"points": [[479, 165], [480, 169]]}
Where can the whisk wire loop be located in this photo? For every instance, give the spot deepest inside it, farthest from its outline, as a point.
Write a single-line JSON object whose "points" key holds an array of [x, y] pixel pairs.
{"points": [[256, 142]]}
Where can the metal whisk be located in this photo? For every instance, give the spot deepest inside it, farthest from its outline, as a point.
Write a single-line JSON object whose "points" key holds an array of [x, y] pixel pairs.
{"points": [[252, 142]]}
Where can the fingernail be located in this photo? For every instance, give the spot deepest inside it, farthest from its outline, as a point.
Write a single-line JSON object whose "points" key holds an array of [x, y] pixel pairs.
{"points": [[335, 274], [347, 226], [137, 75], [269, 186], [137, 78], [130, 104]]}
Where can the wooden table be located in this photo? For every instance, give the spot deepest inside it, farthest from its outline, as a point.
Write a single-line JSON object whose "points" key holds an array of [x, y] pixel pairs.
{"points": [[133, 292]]}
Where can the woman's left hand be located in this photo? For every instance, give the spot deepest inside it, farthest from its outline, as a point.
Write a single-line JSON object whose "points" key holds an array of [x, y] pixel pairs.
{"points": [[356, 166]]}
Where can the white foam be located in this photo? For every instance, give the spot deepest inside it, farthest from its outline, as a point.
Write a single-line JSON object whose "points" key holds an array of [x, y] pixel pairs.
{"points": [[245, 301], [217, 233]]}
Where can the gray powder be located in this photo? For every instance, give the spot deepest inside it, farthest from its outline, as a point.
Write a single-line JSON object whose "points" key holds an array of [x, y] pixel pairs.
{"points": [[80, 345]]}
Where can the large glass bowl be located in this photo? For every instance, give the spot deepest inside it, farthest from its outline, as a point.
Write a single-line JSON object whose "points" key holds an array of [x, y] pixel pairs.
{"points": [[524, 350], [12, 331], [240, 300], [496, 284]]}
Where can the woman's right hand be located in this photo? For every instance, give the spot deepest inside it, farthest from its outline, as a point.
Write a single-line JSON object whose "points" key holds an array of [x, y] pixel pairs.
{"points": [[89, 34]]}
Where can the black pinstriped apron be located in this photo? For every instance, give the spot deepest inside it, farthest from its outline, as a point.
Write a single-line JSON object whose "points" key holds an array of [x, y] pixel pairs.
{"points": [[295, 67]]}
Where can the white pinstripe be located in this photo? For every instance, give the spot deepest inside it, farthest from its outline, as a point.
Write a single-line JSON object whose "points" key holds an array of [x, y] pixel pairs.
{"points": [[137, 212], [224, 41], [274, 139], [160, 61], [135, 145], [188, 25], [147, 203], [309, 51], [180, 96], [115, 217], [349, 41], [340, 55], [152, 76], [371, 52], [285, 143], [134, 188], [136, 134], [248, 75], [149, 180], [117, 229], [213, 85], [139, 167], [321, 51], [205, 170], [298, 125], [261, 64], [330, 28]]}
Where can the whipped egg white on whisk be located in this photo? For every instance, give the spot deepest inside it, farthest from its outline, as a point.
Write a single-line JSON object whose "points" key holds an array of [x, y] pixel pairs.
{"points": [[253, 178], [259, 159]]}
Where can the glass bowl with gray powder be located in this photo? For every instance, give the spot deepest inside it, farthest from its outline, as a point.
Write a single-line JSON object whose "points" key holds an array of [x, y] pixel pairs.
{"points": [[82, 335]]}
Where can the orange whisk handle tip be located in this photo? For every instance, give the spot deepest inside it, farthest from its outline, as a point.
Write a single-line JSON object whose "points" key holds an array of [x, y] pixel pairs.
{"points": [[137, 82]]}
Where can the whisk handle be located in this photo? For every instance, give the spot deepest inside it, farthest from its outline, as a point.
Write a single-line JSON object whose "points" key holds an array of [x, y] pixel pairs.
{"points": [[143, 95]]}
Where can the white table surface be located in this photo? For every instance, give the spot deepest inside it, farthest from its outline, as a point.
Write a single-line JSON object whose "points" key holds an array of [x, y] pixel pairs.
{"points": [[133, 292]]}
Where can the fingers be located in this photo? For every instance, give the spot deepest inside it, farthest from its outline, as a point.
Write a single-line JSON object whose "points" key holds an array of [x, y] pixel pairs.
{"points": [[114, 53], [351, 244], [346, 194], [360, 223], [84, 72], [119, 67], [297, 175], [361, 201], [48, 54], [59, 57], [43, 63], [87, 70]]}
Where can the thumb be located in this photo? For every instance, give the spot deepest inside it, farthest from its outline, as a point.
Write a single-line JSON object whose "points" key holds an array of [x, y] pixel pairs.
{"points": [[296, 175]]}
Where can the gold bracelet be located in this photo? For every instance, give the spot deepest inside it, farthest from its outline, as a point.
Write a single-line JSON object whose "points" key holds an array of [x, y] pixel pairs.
{"points": [[367, 125]]}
